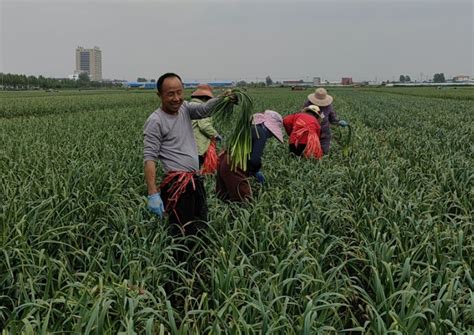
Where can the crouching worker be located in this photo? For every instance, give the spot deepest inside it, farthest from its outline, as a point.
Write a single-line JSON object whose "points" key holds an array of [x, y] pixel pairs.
{"points": [[204, 133], [304, 130], [233, 185], [168, 137]]}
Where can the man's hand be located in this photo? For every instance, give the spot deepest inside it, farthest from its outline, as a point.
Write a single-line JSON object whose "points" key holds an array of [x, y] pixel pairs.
{"points": [[232, 97], [155, 204], [260, 177]]}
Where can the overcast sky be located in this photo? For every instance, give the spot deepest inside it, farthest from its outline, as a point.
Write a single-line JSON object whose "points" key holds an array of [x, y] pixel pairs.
{"points": [[231, 40]]}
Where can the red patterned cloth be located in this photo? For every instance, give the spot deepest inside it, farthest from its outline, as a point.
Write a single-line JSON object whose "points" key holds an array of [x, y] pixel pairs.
{"points": [[180, 180], [304, 128]]}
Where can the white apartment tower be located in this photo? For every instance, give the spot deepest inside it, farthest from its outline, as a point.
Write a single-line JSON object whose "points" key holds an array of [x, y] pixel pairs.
{"points": [[90, 62]]}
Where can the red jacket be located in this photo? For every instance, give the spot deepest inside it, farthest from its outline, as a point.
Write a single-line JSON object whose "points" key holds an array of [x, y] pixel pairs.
{"points": [[295, 123]]}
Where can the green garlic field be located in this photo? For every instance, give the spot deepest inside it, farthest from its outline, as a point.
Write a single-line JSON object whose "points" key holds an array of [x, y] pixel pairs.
{"points": [[376, 242]]}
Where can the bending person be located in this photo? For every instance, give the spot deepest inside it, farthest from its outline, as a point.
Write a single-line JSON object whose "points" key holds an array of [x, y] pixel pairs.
{"points": [[234, 185], [304, 130]]}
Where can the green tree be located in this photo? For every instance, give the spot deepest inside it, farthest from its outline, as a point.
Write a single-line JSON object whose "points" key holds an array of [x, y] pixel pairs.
{"points": [[32, 81], [84, 80], [84, 77], [268, 81], [402, 78], [439, 78], [407, 79], [141, 80]]}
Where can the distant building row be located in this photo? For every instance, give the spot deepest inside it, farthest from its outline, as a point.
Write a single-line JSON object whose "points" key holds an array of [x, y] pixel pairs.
{"points": [[152, 85], [316, 82], [348, 81]]}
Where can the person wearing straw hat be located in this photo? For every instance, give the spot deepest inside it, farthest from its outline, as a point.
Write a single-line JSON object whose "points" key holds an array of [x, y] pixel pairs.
{"points": [[304, 130], [233, 185], [323, 100], [204, 132]]}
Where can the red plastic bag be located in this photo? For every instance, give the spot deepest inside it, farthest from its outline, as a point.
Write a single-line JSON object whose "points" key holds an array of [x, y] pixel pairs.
{"points": [[210, 160]]}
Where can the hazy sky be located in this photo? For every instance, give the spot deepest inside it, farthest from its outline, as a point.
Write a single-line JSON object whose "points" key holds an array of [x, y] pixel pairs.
{"points": [[219, 40]]}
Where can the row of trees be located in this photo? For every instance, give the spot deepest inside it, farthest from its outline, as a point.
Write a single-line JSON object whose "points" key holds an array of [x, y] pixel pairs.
{"points": [[404, 79], [243, 83], [268, 82], [23, 82], [437, 78], [144, 80]]}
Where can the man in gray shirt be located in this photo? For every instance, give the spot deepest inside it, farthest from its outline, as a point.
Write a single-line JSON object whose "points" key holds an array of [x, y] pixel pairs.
{"points": [[168, 137]]}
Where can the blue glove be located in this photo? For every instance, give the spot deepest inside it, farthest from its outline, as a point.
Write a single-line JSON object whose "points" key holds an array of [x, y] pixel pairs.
{"points": [[218, 138], [155, 204], [343, 123], [260, 177]]}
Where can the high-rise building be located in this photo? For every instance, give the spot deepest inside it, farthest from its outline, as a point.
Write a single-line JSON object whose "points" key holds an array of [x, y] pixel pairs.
{"points": [[90, 62]]}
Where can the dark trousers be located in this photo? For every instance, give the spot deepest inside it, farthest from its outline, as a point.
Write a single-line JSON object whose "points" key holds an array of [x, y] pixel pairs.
{"points": [[188, 217], [297, 150], [325, 142], [231, 185], [190, 213]]}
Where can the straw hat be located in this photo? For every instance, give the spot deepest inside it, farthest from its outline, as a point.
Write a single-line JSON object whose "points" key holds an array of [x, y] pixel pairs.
{"points": [[320, 97], [203, 90], [272, 121]]}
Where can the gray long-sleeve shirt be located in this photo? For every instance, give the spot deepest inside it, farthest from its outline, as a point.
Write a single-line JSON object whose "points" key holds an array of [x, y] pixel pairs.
{"points": [[170, 139]]}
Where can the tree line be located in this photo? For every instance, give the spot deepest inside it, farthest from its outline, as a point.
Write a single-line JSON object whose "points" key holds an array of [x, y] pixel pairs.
{"points": [[437, 78], [10, 81]]}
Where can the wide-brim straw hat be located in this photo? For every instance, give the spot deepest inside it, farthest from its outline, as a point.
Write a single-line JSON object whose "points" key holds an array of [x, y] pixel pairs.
{"points": [[320, 97], [203, 90], [272, 121]]}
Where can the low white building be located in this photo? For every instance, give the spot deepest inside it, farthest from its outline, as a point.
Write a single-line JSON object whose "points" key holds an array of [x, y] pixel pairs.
{"points": [[74, 76], [461, 78]]}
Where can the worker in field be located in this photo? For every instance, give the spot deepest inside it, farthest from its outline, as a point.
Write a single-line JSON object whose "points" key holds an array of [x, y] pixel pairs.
{"points": [[204, 133], [233, 185], [304, 130], [324, 101], [168, 137]]}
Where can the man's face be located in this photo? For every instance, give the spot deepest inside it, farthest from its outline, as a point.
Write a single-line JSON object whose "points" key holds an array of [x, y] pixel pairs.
{"points": [[172, 95]]}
